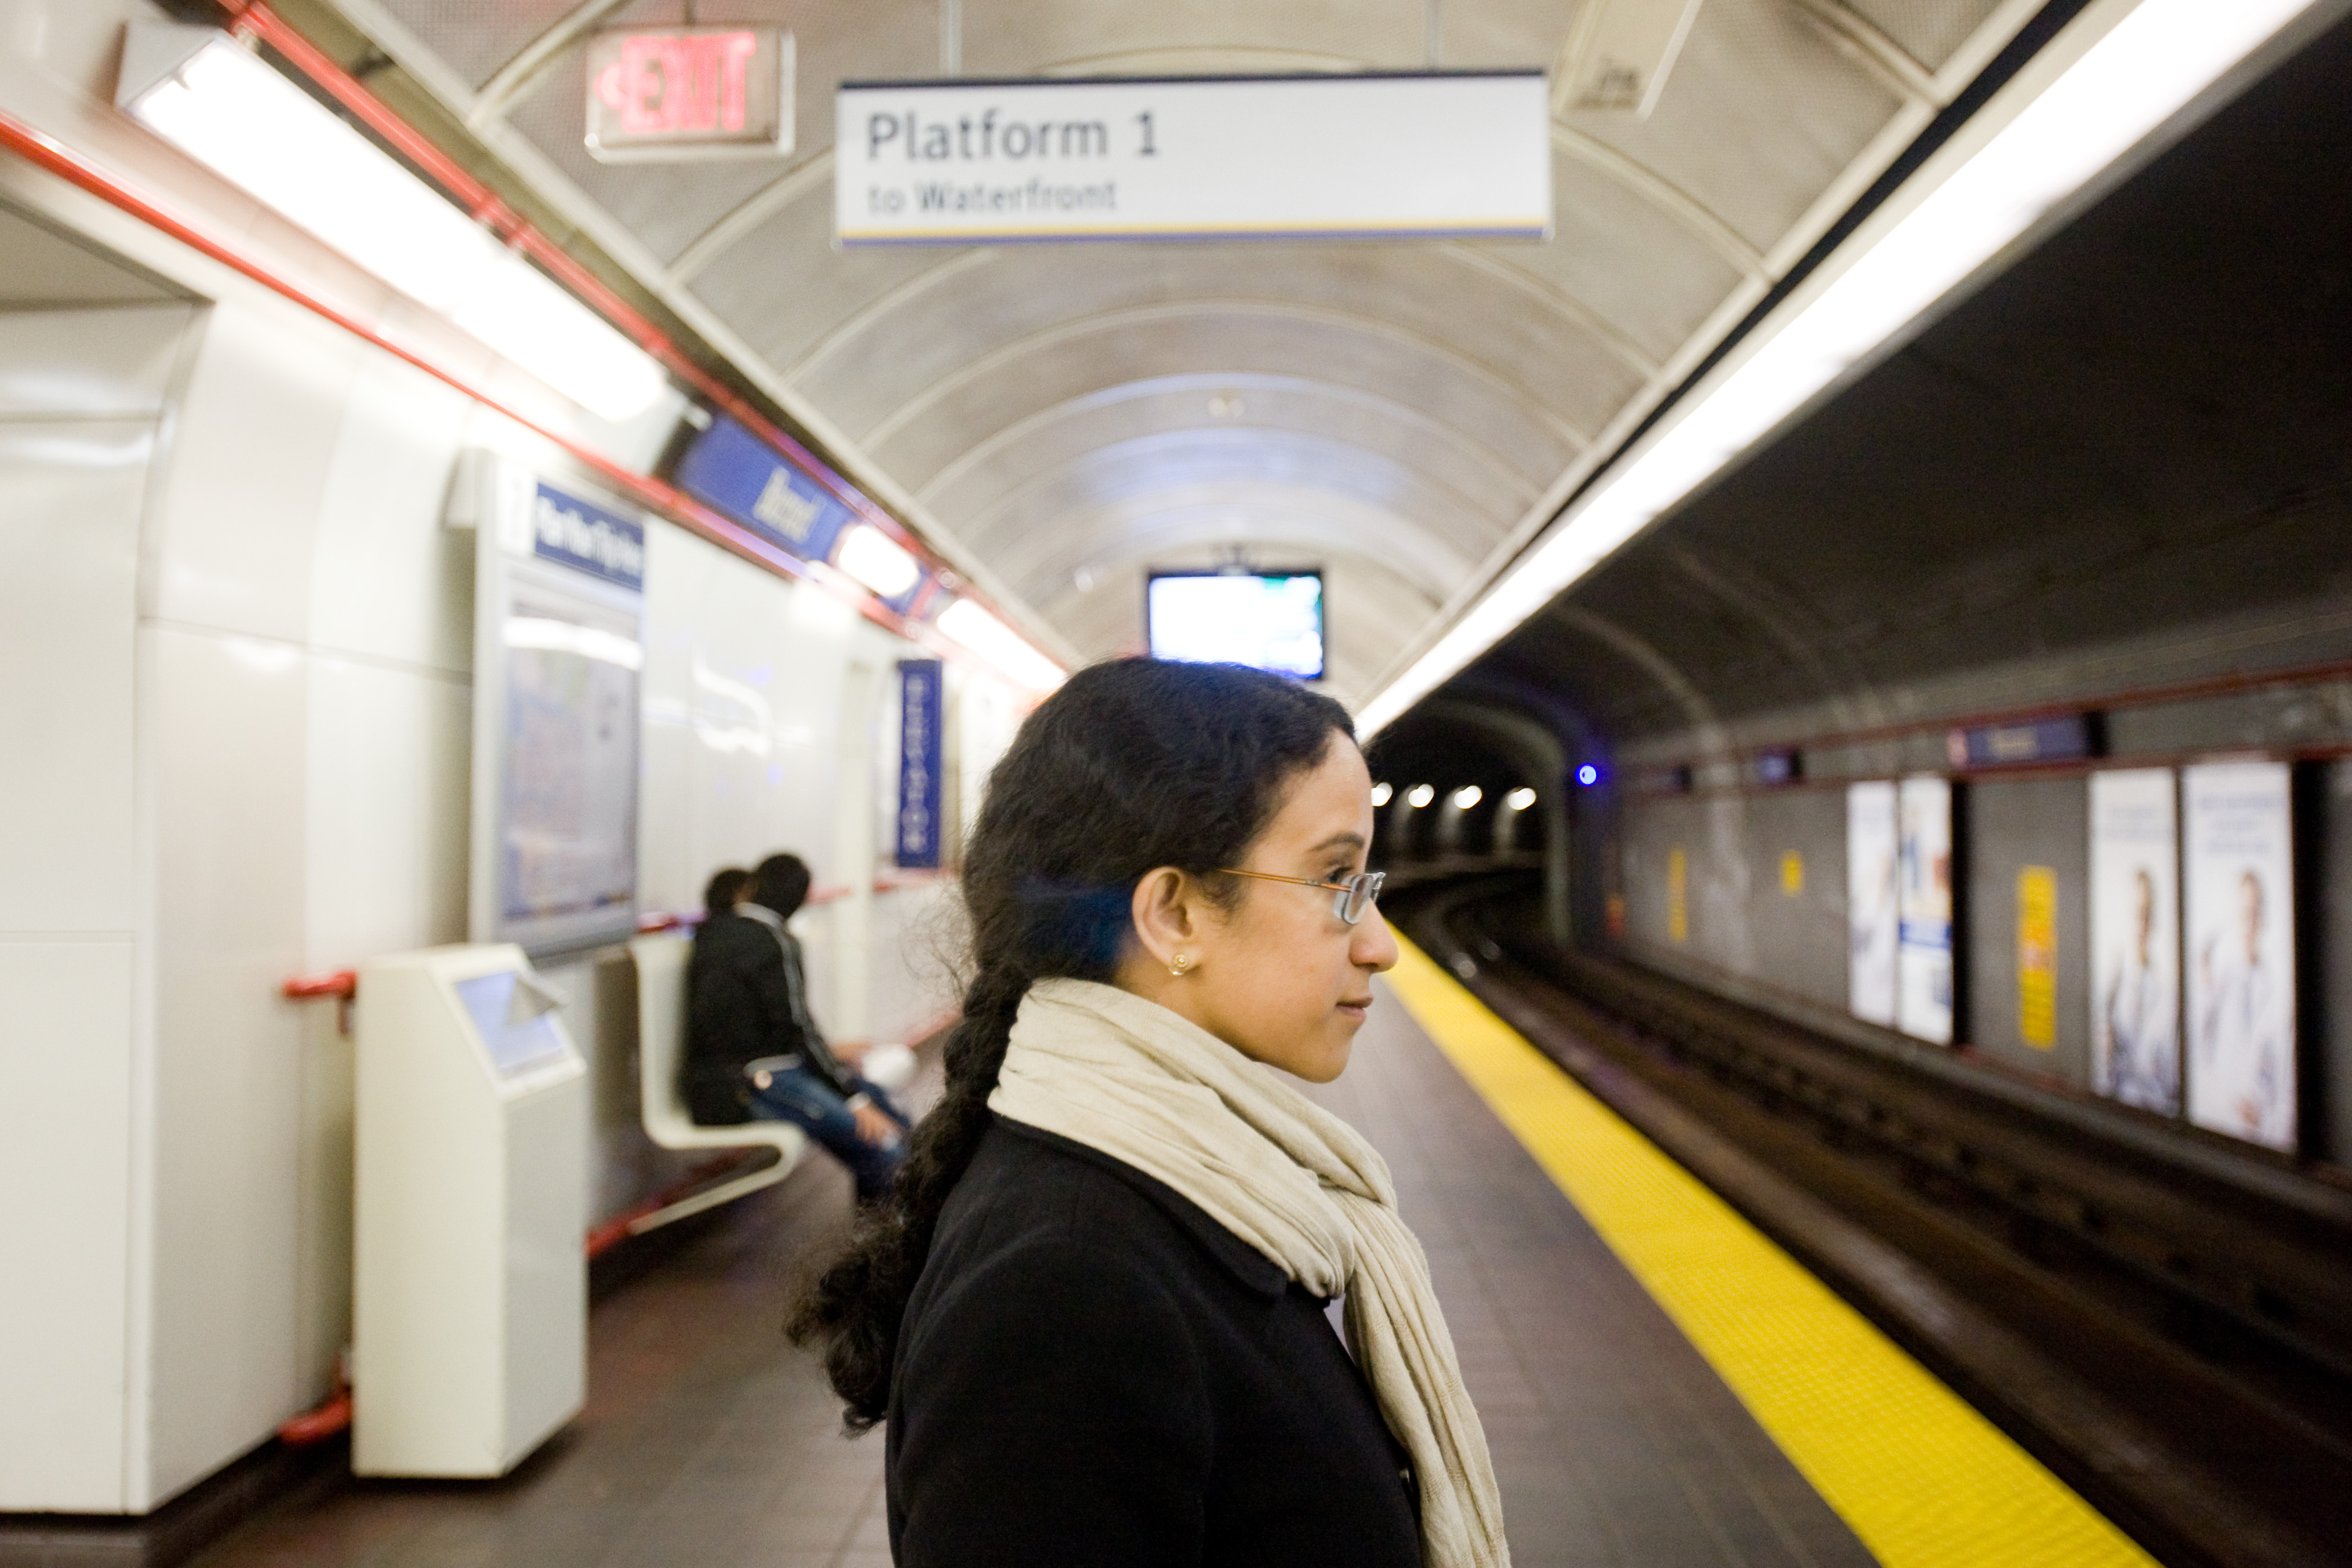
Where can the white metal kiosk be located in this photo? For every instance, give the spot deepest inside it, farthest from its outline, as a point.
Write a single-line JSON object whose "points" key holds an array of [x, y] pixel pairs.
{"points": [[469, 1332]]}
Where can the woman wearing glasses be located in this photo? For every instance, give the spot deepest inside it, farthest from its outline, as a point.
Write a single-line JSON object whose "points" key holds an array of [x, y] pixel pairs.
{"points": [[1092, 1310]]}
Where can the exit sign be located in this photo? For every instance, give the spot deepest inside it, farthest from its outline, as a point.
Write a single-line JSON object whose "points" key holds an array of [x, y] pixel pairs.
{"points": [[682, 94]]}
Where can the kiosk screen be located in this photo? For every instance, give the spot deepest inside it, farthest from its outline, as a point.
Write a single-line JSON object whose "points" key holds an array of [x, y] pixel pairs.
{"points": [[518, 1032]]}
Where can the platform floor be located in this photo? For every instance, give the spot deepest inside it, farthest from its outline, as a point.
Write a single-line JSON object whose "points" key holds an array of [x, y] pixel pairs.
{"points": [[708, 1440]]}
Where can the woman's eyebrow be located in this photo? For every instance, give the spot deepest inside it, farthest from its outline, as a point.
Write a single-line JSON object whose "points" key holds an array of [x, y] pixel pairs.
{"points": [[1351, 841]]}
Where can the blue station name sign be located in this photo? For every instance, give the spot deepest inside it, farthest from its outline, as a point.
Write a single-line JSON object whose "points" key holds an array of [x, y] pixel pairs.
{"points": [[735, 473]]}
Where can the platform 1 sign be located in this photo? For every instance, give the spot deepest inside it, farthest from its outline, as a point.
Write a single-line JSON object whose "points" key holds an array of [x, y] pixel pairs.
{"points": [[1422, 155]]}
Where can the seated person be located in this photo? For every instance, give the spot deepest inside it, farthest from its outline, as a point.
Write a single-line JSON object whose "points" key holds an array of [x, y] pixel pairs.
{"points": [[752, 1051]]}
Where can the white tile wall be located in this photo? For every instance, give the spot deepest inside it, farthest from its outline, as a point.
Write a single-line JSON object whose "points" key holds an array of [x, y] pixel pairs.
{"points": [[231, 541], [69, 499], [88, 364], [384, 862], [235, 689], [224, 717], [388, 583], [75, 447], [65, 1159]]}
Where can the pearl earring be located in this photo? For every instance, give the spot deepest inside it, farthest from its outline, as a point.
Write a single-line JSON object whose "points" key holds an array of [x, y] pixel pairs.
{"points": [[1180, 965]]}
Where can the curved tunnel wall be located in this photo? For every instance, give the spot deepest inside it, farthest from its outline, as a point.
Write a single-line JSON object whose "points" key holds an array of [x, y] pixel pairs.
{"points": [[2111, 482]]}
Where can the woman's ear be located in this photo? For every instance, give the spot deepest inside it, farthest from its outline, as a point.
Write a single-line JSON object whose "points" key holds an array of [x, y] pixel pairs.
{"points": [[1167, 914]]}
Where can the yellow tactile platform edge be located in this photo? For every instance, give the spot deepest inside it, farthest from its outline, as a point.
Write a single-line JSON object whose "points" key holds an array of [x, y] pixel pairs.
{"points": [[1913, 1470]]}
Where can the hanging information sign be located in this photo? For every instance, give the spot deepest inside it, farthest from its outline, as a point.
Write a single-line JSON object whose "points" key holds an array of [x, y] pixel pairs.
{"points": [[1419, 154], [731, 470], [920, 763]]}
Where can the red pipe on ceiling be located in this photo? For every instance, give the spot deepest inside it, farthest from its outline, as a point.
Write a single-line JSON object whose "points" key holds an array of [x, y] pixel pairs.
{"points": [[256, 17], [45, 151]]}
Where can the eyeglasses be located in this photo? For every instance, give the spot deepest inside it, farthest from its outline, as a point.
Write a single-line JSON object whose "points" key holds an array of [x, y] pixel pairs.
{"points": [[1350, 899]]}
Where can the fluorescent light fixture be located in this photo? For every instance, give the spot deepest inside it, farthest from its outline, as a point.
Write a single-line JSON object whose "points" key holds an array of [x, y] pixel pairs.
{"points": [[2145, 68], [969, 626], [1519, 799], [1380, 793], [206, 94], [1467, 796], [874, 558], [1420, 795]]}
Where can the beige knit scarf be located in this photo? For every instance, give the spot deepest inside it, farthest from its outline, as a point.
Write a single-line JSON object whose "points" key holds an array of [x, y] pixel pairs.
{"points": [[1106, 1069]]}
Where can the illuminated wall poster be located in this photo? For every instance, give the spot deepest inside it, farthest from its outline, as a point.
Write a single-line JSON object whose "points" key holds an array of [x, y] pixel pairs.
{"points": [[2135, 938], [2037, 956], [1677, 895], [1872, 864], [559, 655], [2239, 858], [1923, 960]]}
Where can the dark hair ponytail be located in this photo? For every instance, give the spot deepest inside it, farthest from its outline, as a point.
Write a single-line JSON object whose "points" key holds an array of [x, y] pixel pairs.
{"points": [[1134, 764]]}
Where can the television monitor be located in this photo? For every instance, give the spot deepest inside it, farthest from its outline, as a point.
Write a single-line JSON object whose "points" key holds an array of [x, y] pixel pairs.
{"points": [[1268, 620]]}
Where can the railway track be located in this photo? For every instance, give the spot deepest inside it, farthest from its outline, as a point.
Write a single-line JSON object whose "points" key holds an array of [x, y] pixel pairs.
{"points": [[2167, 1325]]}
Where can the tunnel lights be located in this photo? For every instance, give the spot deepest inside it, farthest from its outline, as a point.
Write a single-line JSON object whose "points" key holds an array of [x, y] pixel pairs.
{"points": [[2146, 67], [1588, 776], [874, 558], [214, 100], [1519, 799], [969, 626], [1420, 795], [1380, 793], [1467, 796]]}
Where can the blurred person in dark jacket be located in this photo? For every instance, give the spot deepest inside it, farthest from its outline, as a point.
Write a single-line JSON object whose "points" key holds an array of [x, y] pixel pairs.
{"points": [[753, 1050]]}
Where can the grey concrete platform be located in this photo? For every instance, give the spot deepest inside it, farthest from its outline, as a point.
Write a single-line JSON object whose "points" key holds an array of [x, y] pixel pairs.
{"points": [[708, 1440]]}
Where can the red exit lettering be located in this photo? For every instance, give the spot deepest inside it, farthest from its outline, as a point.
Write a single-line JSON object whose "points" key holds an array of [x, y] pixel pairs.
{"points": [[668, 82]]}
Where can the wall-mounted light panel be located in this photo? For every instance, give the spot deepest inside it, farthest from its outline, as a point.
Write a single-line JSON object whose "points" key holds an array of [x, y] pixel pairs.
{"points": [[216, 101]]}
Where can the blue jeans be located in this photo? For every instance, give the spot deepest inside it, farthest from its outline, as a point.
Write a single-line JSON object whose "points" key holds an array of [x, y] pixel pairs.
{"points": [[807, 1101]]}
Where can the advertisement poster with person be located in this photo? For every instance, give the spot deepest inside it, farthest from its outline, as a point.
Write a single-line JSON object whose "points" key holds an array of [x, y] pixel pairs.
{"points": [[2241, 921], [1871, 856], [2135, 938], [1924, 954]]}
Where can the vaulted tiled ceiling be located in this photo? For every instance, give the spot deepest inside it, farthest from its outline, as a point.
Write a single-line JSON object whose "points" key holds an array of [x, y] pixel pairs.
{"points": [[1404, 414]]}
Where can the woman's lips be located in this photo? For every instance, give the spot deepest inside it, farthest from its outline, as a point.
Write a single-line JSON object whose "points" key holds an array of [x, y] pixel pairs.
{"points": [[1356, 1009]]}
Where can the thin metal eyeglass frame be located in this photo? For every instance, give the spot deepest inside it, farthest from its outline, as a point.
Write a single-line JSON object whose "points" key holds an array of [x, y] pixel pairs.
{"points": [[1369, 881]]}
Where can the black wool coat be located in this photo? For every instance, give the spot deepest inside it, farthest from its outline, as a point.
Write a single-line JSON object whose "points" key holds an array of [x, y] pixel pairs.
{"points": [[1094, 1373], [739, 1009]]}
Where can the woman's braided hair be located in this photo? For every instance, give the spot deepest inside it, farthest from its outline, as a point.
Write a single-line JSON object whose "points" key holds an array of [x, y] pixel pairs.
{"points": [[1134, 764]]}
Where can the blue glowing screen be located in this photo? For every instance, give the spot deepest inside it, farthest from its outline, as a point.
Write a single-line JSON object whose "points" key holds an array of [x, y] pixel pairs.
{"points": [[1266, 620]]}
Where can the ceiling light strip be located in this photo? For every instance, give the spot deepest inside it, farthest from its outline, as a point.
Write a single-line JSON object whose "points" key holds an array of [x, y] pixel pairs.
{"points": [[46, 152], [486, 206], [2148, 66]]}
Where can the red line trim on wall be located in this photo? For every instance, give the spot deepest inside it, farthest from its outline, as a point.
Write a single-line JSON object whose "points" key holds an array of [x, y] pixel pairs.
{"points": [[46, 152], [487, 208]]}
